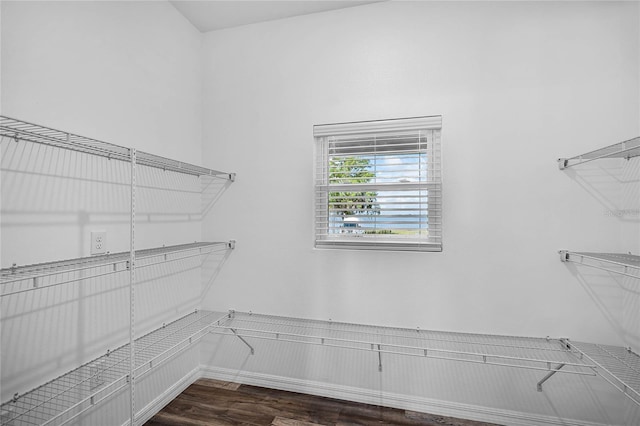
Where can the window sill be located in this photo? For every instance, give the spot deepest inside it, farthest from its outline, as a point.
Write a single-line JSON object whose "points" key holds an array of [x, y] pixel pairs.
{"points": [[379, 245]]}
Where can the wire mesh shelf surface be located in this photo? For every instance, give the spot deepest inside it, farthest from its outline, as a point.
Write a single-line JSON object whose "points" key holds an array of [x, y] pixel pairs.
{"points": [[67, 396], [627, 149], [617, 365], [617, 263], [21, 130], [523, 352], [20, 279]]}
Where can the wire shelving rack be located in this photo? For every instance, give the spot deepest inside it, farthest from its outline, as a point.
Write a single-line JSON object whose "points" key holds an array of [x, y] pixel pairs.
{"points": [[546, 355], [616, 263], [618, 366], [21, 130], [66, 397], [542, 354], [627, 149], [20, 279]]}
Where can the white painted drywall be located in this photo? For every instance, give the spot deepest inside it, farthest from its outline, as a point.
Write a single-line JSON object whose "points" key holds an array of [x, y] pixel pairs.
{"points": [[128, 73], [518, 84]]}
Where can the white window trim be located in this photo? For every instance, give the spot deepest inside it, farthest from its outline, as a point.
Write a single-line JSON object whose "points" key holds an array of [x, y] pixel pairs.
{"points": [[321, 191]]}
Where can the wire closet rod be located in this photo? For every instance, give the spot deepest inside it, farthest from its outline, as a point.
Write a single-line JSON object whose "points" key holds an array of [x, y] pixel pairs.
{"points": [[22, 130]]}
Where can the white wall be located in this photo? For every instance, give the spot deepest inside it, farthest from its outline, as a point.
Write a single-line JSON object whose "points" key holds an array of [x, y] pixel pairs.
{"points": [[125, 72], [128, 73], [518, 85]]}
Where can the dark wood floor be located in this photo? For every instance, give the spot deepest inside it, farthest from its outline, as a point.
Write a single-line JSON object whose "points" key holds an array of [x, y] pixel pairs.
{"points": [[211, 402]]}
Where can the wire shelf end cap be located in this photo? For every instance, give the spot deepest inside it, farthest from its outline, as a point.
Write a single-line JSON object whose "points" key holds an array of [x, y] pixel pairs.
{"points": [[563, 163]]}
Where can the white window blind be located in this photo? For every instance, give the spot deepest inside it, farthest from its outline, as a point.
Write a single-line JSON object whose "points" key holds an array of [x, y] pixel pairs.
{"points": [[378, 185]]}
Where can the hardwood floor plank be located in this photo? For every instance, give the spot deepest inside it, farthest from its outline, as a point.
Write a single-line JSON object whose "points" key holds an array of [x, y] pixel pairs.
{"points": [[281, 421], [363, 414], [214, 403], [262, 404], [218, 384], [293, 405], [432, 419]]}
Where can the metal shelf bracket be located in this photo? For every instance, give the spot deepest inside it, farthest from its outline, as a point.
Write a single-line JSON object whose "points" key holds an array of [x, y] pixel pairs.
{"points": [[243, 341], [563, 163], [548, 376]]}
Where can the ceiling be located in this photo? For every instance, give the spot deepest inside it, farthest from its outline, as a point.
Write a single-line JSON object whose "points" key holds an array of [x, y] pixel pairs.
{"points": [[211, 15]]}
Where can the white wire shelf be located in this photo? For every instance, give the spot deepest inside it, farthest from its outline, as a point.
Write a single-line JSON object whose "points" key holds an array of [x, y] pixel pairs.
{"points": [[20, 279], [64, 398], [21, 130], [627, 149], [617, 263], [541, 354], [618, 366]]}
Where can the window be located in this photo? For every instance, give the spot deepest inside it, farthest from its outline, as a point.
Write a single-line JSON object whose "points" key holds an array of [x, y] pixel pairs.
{"points": [[378, 185]]}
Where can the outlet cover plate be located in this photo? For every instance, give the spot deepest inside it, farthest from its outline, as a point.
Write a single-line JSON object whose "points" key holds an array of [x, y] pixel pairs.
{"points": [[98, 242]]}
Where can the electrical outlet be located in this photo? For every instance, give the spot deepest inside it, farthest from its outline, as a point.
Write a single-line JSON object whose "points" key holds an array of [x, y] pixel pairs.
{"points": [[98, 242]]}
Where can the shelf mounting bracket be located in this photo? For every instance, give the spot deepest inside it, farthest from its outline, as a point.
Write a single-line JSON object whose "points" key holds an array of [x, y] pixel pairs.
{"points": [[548, 376], [563, 163], [243, 341]]}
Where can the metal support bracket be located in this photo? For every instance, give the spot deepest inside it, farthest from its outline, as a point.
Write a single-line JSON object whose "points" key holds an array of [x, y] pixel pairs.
{"points": [[232, 244], [548, 376], [564, 255], [232, 177], [563, 163], [243, 341]]}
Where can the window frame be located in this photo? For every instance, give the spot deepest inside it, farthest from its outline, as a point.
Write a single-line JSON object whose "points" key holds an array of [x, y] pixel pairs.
{"points": [[325, 238]]}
